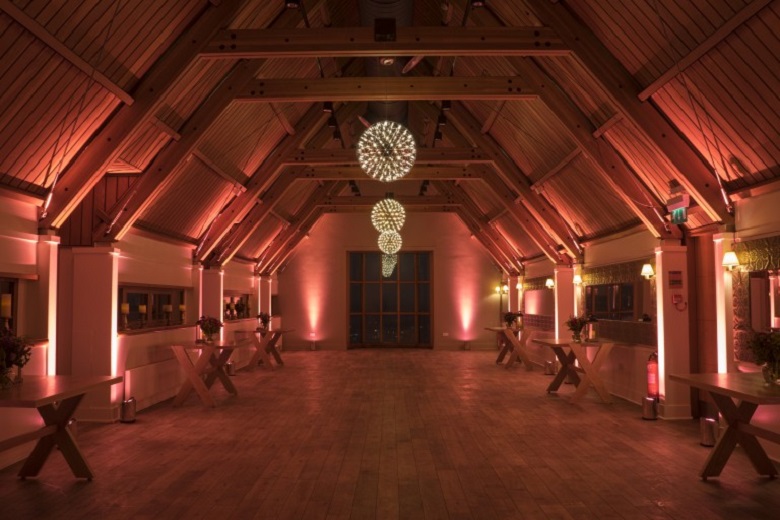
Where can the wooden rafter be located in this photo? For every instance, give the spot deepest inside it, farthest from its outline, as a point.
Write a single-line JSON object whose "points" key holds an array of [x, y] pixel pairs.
{"points": [[153, 181], [476, 231], [425, 156], [537, 205], [63, 50], [108, 142], [691, 171], [408, 201], [360, 42], [354, 89], [418, 173]]}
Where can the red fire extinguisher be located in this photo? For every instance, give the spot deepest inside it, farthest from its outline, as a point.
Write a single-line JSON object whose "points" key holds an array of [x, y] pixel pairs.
{"points": [[652, 375]]}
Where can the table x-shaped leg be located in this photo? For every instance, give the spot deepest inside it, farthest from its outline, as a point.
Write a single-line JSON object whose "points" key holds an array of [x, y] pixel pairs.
{"points": [[195, 374], [738, 431], [264, 346], [567, 367], [56, 417], [590, 371], [517, 349]]}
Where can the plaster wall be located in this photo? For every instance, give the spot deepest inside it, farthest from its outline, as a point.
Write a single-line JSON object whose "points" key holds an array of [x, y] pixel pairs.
{"points": [[313, 286]]}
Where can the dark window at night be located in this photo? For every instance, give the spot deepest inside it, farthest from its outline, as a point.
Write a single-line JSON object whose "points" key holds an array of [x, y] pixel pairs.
{"points": [[610, 301], [394, 310]]}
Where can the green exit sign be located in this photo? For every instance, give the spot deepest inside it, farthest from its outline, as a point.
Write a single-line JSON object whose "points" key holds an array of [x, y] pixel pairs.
{"points": [[680, 216]]}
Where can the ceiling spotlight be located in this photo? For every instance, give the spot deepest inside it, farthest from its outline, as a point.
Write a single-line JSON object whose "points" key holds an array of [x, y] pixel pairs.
{"points": [[386, 151], [437, 135], [332, 123], [388, 215], [386, 61], [442, 121], [389, 242], [292, 4], [327, 107], [446, 105], [477, 3]]}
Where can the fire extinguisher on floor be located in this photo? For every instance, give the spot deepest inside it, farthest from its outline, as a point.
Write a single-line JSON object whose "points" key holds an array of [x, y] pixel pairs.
{"points": [[650, 404]]}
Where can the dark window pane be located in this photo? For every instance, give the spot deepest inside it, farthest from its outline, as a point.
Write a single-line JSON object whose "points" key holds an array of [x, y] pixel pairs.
{"points": [[407, 331], [406, 266], [424, 266], [423, 297], [372, 297], [356, 266], [373, 266], [355, 297], [424, 329], [407, 297], [389, 298], [626, 297], [389, 328], [356, 329], [372, 329]]}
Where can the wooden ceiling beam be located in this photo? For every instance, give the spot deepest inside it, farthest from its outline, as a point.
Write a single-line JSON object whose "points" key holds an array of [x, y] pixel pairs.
{"points": [[418, 173], [231, 174], [512, 262], [691, 171], [408, 201], [310, 212], [550, 219], [359, 42], [425, 156], [354, 89], [106, 144], [160, 171], [720, 34], [605, 159], [477, 233], [40, 32]]}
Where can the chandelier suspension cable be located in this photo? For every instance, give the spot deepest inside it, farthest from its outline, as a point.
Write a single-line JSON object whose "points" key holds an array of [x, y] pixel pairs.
{"points": [[726, 199], [90, 83]]}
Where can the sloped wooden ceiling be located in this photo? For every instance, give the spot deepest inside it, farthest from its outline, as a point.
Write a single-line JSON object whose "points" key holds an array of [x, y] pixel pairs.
{"points": [[189, 119]]}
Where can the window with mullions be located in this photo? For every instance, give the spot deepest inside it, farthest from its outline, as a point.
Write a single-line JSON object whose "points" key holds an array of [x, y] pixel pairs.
{"points": [[150, 307], [610, 301], [394, 310], [7, 303]]}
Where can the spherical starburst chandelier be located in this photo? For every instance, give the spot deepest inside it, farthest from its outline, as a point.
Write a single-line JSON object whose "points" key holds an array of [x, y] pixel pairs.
{"points": [[388, 265], [389, 242], [388, 215], [386, 151]]}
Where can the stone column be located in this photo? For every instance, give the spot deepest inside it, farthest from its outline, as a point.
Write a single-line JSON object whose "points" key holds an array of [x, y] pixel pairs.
{"points": [[672, 294], [564, 298]]}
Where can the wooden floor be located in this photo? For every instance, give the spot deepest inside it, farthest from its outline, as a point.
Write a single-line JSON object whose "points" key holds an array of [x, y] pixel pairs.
{"points": [[392, 434]]}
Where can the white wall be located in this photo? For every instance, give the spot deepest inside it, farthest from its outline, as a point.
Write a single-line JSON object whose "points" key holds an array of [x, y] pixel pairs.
{"points": [[622, 248], [313, 287]]}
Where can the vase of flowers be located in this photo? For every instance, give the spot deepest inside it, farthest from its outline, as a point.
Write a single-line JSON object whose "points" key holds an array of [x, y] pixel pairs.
{"points": [[209, 327], [14, 352], [576, 324], [263, 319], [510, 319], [765, 347]]}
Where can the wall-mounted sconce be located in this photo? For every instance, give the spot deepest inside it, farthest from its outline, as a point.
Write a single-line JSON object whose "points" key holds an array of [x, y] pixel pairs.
{"points": [[577, 280], [647, 271], [519, 286], [730, 260], [549, 283]]}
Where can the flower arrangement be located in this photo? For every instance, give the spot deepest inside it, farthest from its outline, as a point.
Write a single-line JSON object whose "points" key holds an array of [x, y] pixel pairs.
{"points": [[766, 351], [209, 326], [576, 324], [264, 318], [14, 352], [511, 317]]}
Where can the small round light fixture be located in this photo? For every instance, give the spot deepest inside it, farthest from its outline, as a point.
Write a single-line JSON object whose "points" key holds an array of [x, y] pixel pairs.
{"points": [[389, 242], [388, 265], [386, 151], [388, 215]]}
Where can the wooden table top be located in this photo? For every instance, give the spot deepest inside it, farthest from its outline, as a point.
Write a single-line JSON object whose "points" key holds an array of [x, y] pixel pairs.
{"points": [[749, 387], [502, 329], [37, 391], [565, 342], [222, 345]]}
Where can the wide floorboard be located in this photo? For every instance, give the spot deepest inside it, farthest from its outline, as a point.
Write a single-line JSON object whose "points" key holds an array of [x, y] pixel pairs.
{"points": [[392, 434]]}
